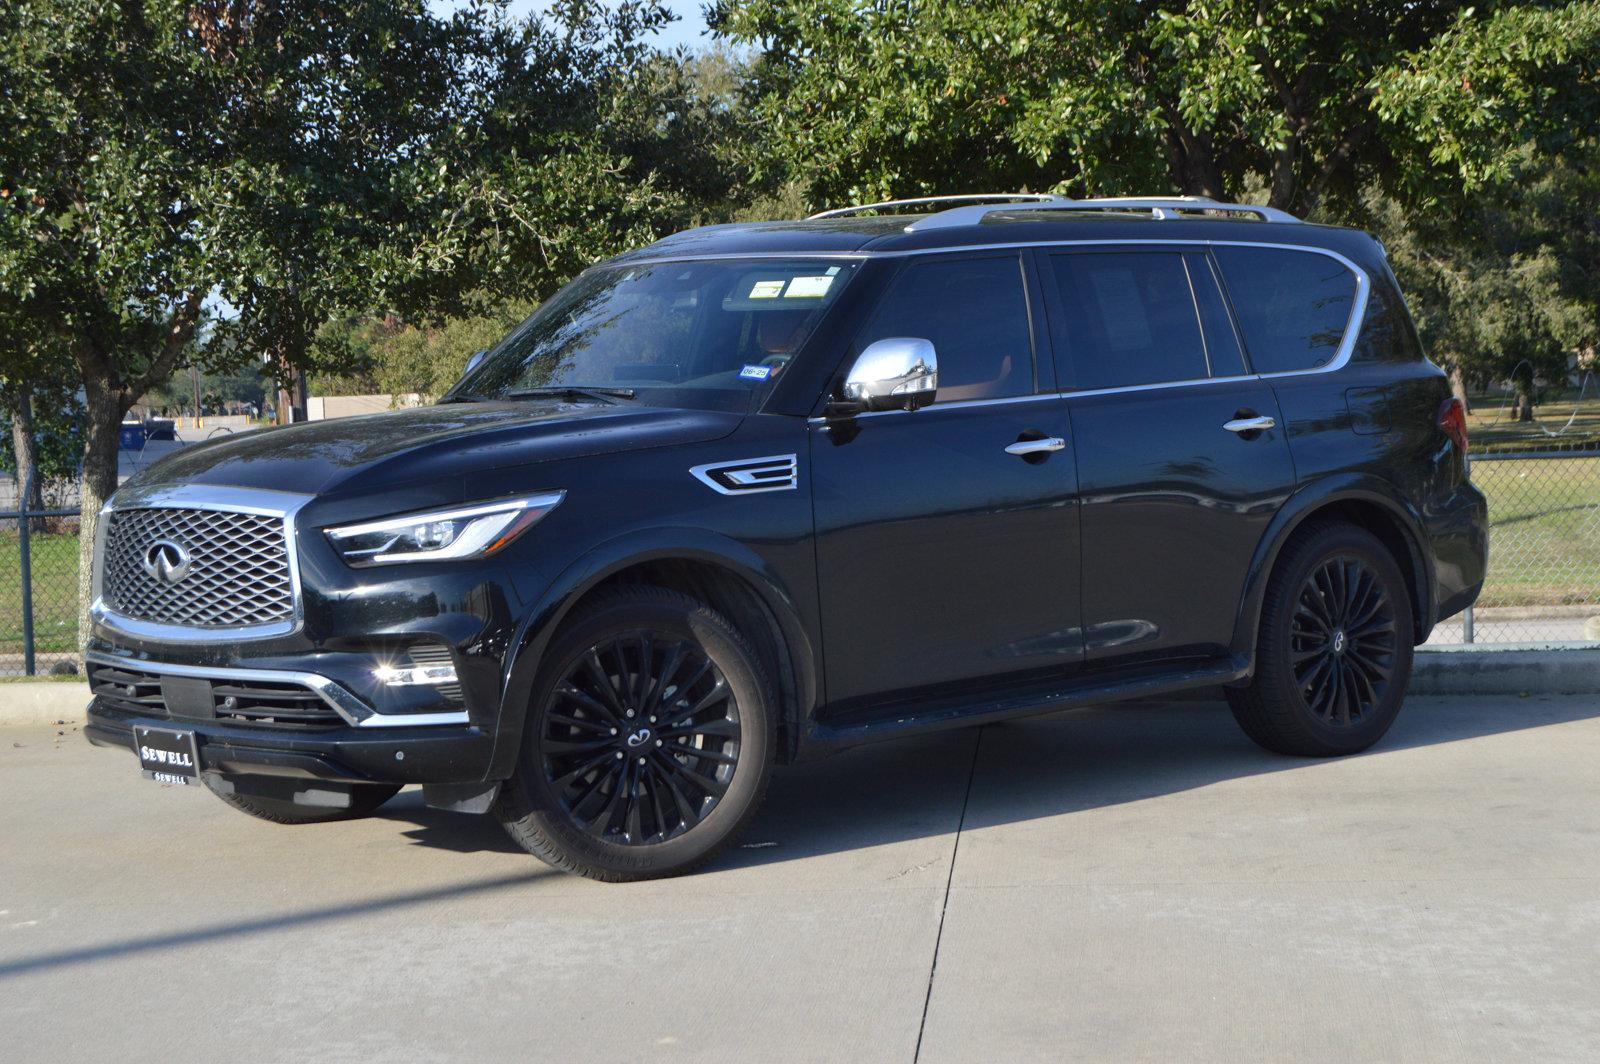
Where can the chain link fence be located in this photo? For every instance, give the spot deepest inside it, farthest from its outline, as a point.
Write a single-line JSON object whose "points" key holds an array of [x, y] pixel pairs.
{"points": [[38, 578], [1543, 584]]}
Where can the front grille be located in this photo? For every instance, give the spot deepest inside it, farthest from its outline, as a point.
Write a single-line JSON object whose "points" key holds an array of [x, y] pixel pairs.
{"points": [[238, 572], [275, 703]]}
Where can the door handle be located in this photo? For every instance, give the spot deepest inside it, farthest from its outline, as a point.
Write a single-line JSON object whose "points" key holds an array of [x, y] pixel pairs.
{"points": [[1249, 424], [1023, 448]]}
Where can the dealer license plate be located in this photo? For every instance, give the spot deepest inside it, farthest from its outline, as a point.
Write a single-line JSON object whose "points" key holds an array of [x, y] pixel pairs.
{"points": [[167, 755]]}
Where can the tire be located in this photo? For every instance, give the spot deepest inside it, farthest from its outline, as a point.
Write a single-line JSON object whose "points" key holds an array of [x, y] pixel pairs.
{"points": [[268, 798], [649, 740], [1333, 653]]}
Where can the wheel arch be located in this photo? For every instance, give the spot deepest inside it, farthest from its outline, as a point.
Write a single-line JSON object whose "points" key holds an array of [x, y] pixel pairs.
{"points": [[723, 573], [1365, 501]]}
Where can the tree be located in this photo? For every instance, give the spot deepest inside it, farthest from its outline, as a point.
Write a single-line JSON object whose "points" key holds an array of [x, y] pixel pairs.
{"points": [[1297, 102], [165, 162], [1505, 286]]}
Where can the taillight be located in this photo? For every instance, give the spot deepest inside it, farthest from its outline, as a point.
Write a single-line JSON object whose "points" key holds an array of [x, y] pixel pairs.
{"points": [[1453, 420]]}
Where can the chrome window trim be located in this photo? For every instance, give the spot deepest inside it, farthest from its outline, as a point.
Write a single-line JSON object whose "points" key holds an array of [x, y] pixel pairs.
{"points": [[354, 711], [1341, 358], [262, 501], [958, 404]]}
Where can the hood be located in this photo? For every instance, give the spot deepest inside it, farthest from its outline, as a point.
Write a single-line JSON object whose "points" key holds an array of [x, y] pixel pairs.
{"points": [[422, 443]]}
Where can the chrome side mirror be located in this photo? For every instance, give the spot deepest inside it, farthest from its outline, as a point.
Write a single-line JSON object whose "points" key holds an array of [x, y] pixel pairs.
{"points": [[473, 360], [896, 373]]}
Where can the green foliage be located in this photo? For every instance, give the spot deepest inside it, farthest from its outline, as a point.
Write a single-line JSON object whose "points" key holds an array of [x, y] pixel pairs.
{"points": [[1307, 100], [1496, 77], [1506, 279], [391, 357], [57, 432]]}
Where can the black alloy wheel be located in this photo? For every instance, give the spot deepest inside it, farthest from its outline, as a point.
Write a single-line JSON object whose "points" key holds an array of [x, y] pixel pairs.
{"points": [[1343, 641], [650, 736], [642, 740], [1333, 647]]}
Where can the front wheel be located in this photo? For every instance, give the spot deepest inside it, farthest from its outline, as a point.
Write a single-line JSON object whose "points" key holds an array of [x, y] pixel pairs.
{"points": [[648, 740], [1333, 655]]}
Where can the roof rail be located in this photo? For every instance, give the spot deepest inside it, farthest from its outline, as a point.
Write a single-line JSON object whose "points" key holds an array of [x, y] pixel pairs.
{"points": [[974, 197], [1160, 207]]}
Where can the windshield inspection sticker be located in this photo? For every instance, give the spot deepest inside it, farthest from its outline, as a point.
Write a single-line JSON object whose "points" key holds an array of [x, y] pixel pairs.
{"points": [[756, 373], [808, 288], [766, 290]]}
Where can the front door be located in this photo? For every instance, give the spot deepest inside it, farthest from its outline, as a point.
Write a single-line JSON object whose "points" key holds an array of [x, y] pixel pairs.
{"points": [[946, 562], [1181, 455]]}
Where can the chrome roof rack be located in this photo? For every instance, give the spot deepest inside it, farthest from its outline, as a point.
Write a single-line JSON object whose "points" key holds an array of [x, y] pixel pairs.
{"points": [[1160, 207], [973, 197]]}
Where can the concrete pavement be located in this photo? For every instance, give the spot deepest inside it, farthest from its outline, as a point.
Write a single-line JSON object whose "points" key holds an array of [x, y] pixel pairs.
{"points": [[1136, 882]]}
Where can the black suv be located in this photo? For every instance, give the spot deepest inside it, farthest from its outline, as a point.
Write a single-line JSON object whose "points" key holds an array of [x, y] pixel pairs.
{"points": [[758, 492]]}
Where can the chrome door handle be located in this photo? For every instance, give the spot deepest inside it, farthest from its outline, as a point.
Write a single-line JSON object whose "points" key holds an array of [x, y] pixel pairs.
{"points": [[1249, 424], [1044, 446]]}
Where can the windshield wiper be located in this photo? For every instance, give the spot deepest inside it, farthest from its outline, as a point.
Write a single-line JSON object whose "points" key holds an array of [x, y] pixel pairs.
{"points": [[605, 395]]}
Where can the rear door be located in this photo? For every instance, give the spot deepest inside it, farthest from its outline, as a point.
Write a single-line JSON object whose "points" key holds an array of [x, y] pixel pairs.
{"points": [[944, 561], [1181, 461]]}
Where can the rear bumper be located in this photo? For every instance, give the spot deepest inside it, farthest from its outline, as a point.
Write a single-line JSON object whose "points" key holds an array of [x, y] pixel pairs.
{"points": [[1458, 531], [423, 754]]}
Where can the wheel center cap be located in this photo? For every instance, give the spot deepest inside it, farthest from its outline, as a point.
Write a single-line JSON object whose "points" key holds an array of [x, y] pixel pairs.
{"points": [[639, 738], [1338, 642]]}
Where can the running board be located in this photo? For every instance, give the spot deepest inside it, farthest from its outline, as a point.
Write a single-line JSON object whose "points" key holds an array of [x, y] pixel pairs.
{"points": [[1071, 693]]}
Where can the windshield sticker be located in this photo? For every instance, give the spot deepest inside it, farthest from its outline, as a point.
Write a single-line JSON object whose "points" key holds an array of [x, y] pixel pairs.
{"points": [[766, 290], [808, 288], [756, 373]]}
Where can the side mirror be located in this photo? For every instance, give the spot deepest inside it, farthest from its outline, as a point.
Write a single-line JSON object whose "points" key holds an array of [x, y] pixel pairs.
{"points": [[473, 360], [896, 373]]}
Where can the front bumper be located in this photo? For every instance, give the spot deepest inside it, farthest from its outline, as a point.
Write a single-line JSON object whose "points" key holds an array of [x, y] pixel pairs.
{"points": [[419, 754]]}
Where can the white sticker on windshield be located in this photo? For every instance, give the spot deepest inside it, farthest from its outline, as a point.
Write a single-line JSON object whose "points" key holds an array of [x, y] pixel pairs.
{"points": [[766, 290], [808, 288]]}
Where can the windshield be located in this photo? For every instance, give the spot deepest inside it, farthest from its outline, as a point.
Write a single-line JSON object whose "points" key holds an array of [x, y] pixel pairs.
{"points": [[710, 334]]}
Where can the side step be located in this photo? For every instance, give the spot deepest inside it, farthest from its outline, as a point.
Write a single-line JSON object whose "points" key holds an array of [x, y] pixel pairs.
{"points": [[1070, 693]]}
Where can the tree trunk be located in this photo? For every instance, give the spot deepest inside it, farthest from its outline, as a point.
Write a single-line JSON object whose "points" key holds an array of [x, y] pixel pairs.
{"points": [[1458, 387], [25, 447], [106, 404]]}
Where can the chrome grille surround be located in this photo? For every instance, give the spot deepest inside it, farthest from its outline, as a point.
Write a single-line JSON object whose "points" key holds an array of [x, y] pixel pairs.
{"points": [[243, 582]]}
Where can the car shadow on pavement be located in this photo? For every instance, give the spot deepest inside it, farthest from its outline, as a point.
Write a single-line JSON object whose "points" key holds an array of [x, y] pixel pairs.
{"points": [[1068, 762], [916, 788], [1036, 767]]}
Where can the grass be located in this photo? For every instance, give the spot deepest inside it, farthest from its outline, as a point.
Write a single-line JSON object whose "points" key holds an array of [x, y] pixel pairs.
{"points": [[1544, 530], [55, 593], [1490, 427]]}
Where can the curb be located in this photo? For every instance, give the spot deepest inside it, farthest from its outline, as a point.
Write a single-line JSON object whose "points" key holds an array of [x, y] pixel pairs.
{"points": [[1506, 669], [24, 704]]}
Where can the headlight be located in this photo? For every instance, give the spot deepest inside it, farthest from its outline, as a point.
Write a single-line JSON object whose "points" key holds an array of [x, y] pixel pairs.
{"points": [[442, 535]]}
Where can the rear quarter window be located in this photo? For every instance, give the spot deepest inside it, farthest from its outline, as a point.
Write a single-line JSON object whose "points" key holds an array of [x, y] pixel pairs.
{"points": [[1293, 307]]}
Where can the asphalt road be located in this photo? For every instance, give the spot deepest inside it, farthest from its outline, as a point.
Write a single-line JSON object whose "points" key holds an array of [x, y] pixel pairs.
{"points": [[1127, 883]]}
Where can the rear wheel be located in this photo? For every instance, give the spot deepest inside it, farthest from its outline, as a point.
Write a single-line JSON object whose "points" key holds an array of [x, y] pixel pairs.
{"points": [[648, 740], [269, 798], [1333, 654]]}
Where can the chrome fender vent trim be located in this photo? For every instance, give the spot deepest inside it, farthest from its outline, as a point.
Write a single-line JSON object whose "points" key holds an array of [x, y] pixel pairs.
{"points": [[778, 472]]}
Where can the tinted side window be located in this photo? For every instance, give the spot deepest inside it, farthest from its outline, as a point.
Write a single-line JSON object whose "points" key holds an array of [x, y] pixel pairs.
{"points": [[975, 313], [1130, 319], [1292, 306], [1222, 342]]}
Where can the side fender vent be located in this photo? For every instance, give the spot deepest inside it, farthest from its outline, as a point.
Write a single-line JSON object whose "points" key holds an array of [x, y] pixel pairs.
{"points": [[779, 472]]}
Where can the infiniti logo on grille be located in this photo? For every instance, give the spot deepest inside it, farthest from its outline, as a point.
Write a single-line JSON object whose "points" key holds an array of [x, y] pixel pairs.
{"points": [[167, 562]]}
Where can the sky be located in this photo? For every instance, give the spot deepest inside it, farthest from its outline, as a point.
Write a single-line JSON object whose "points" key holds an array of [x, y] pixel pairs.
{"points": [[687, 30]]}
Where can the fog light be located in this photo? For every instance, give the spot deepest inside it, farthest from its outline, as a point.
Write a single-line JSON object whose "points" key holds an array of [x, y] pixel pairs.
{"points": [[414, 675]]}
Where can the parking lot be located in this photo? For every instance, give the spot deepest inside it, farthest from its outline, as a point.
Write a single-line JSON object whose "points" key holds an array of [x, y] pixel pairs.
{"points": [[1135, 882]]}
